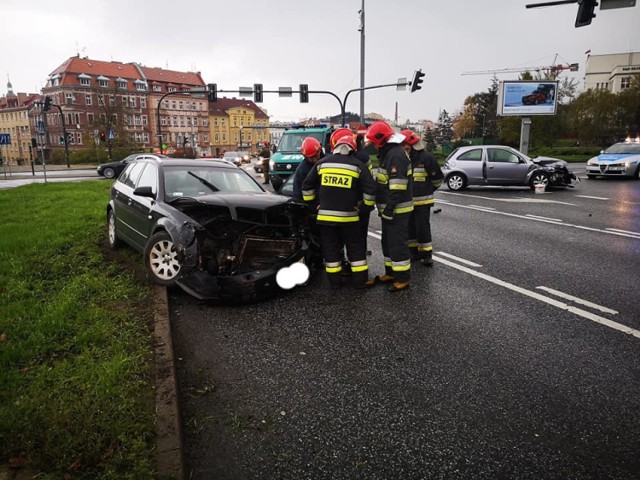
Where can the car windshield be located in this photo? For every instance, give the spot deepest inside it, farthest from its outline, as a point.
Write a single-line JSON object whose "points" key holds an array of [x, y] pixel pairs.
{"points": [[194, 181], [624, 148], [291, 142], [232, 154]]}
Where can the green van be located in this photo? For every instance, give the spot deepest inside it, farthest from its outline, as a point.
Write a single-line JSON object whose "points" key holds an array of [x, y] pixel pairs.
{"points": [[287, 157]]}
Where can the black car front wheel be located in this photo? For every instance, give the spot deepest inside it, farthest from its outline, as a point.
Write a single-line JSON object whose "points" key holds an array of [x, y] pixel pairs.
{"points": [[109, 172], [161, 259]]}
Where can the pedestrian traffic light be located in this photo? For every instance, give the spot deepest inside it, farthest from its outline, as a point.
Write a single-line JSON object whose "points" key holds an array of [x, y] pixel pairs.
{"points": [[47, 104], [417, 80], [103, 136], [69, 136], [257, 92], [585, 12], [212, 88], [304, 93]]}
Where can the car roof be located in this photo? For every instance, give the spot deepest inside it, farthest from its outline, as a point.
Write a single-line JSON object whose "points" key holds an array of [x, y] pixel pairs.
{"points": [[194, 162]]}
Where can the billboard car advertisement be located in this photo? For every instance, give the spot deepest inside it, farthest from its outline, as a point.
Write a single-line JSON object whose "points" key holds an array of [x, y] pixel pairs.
{"points": [[525, 97]]}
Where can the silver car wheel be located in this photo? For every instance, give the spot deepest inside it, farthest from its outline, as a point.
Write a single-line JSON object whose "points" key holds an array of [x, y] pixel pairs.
{"points": [[162, 260], [109, 173], [456, 182], [114, 241], [539, 179]]}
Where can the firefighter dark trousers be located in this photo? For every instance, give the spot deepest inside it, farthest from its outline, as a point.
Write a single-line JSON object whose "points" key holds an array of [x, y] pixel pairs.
{"points": [[334, 238], [395, 248], [420, 232]]}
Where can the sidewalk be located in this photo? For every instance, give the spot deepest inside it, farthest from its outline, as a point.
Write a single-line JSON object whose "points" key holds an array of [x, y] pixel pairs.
{"points": [[22, 172]]}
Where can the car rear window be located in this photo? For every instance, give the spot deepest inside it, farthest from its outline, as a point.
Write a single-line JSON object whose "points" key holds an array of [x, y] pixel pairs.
{"points": [[472, 155]]}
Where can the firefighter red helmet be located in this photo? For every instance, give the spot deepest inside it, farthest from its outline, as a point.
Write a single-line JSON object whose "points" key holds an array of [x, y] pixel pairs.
{"points": [[410, 137], [379, 133], [265, 143], [310, 147], [342, 135]]}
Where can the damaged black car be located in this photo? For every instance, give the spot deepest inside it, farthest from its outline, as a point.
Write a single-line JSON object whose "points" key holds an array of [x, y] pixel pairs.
{"points": [[208, 227]]}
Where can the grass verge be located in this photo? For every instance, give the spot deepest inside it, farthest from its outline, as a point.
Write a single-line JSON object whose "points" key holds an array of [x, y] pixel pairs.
{"points": [[76, 351]]}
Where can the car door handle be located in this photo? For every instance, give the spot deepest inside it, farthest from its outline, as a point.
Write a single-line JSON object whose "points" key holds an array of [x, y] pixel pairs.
{"points": [[129, 202]]}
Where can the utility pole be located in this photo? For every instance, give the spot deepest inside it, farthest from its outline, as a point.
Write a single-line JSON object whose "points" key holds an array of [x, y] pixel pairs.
{"points": [[361, 12]]}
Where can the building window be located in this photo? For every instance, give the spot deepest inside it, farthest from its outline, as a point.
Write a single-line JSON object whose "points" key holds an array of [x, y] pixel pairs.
{"points": [[175, 121], [90, 118], [69, 98], [85, 82], [143, 102], [157, 88], [625, 82], [171, 89], [145, 120], [103, 83], [141, 87], [122, 84]]}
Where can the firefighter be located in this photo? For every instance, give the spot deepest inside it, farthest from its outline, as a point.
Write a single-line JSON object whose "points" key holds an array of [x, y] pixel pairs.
{"points": [[394, 204], [427, 178], [265, 155], [312, 152], [341, 185]]}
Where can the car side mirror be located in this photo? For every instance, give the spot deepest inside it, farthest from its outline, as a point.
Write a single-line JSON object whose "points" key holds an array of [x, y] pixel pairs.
{"points": [[145, 191]]}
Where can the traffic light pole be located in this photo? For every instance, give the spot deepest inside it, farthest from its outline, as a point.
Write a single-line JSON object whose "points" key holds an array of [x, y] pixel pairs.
{"points": [[344, 102], [64, 133], [158, 111]]}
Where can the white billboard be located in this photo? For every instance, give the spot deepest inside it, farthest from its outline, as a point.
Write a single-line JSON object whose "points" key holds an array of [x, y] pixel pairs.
{"points": [[527, 97]]}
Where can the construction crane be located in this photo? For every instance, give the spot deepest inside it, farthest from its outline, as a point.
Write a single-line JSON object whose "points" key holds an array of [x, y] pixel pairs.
{"points": [[573, 67]]}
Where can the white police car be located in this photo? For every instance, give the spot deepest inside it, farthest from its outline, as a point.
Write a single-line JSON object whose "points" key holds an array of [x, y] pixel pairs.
{"points": [[619, 160]]}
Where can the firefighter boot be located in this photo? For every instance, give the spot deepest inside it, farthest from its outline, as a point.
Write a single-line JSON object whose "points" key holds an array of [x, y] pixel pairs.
{"points": [[397, 286], [384, 278]]}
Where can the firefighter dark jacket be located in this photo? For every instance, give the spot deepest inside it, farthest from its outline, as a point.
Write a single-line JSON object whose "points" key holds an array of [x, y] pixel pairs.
{"points": [[394, 179], [341, 185], [427, 177]]}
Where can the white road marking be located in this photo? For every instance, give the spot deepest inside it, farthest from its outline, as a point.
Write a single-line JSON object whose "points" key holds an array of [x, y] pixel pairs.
{"points": [[594, 198], [461, 260], [534, 219], [480, 207], [544, 218], [510, 200], [542, 298], [586, 303], [375, 235], [623, 231]]}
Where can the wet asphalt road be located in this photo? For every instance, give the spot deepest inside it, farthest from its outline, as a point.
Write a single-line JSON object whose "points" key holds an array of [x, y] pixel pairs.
{"points": [[515, 356]]}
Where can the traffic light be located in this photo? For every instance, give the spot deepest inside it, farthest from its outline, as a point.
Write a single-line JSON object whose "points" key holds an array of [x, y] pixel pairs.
{"points": [[257, 92], [585, 12], [34, 143], [69, 137], [304, 93], [103, 136], [47, 104], [212, 88], [417, 80], [61, 140]]}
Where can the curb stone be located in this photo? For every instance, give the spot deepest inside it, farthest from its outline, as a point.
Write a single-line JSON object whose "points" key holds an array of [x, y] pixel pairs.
{"points": [[168, 429]]}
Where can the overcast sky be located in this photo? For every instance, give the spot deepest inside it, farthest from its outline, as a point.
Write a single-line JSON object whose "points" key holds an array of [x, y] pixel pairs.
{"points": [[289, 42]]}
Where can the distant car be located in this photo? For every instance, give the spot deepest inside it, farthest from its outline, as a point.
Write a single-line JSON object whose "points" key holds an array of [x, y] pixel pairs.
{"points": [[114, 169], [208, 227], [502, 165], [542, 94], [237, 157], [619, 160]]}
